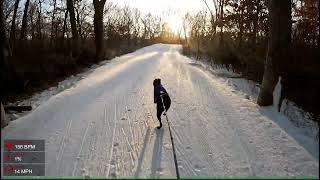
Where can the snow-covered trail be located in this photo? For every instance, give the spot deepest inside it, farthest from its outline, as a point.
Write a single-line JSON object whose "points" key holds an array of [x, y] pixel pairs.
{"points": [[104, 126]]}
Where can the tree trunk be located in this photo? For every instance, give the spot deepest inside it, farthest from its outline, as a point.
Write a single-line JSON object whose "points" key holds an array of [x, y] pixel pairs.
{"points": [[75, 36], [64, 28], [13, 25], [278, 48], [3, 63], [32, 24], [255, 25], [3, 36], [319, 24], [185, 35], [79, 25], [24, 21], [198, 46], [98, 27], [39, 34], [240, 28], [221, 5], [53, 24], [3, 52]]}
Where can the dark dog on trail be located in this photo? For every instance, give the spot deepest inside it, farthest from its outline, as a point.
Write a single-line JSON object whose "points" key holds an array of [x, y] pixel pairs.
{"points": [[161, 98]]}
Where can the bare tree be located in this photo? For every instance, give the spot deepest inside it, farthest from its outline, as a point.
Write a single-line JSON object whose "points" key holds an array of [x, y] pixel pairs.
{"points": [[8, 7], [39, 20], [278, 48], [3, 55], [212, 21], [184, 26], [221, 23], [136, 25], [75, 36], [64, 25], [24, 21], [98, 26], [318, 24], [13, 25], [32, 11], [53, 23]]}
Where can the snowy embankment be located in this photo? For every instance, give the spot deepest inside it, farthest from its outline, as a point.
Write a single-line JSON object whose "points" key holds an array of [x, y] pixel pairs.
{"points": [[104, 125], [294, 120], [38, 98]]}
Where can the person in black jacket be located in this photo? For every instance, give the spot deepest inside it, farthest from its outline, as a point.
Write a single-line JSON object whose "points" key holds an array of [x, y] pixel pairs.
{"points": [[161, 98]]}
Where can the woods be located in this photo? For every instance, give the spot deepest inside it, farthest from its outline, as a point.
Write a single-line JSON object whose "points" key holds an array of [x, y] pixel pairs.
{"points": [[44, 41], [262, 40]]}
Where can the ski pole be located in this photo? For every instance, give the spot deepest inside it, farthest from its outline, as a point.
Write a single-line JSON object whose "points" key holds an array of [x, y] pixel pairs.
{"points": [[172, 143]]}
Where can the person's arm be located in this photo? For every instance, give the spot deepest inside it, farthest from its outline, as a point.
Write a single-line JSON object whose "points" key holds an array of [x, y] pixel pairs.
{"points": [[164, 90], [154, 95]]}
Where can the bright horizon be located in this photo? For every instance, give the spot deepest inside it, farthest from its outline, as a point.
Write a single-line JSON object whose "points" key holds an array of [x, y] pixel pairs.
{"points": [[171, 10]]}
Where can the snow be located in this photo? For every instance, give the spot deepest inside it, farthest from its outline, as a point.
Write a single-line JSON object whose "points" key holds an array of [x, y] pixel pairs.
{"points": [[277, 95], [292, 119], [103, 124]]}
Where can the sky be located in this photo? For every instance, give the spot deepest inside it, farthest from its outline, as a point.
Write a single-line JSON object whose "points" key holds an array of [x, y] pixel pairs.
{"points": [[171, 10]]}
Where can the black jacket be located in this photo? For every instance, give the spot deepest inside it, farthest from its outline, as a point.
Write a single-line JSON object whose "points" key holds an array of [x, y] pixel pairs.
{"points": [[157, 92]]}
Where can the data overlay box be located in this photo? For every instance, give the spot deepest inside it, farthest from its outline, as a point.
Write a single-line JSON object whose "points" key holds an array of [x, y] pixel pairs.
{"points": [[23, 157]]}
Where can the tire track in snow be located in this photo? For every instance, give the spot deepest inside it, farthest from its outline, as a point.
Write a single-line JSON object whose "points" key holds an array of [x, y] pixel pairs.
{"points": [[182, 150], [138, 131], [127, 141], [105, 118], [184, 163], [92, 148], [242, 143], [105, 146], [131, 131], [245, 144], [96, 150], [198, 111], [112, 142], [222, 110], [104, 134], [62, 146], [267, 141], [81, 147]]}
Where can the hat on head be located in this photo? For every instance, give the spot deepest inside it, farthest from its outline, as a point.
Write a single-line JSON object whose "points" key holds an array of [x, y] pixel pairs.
{"points": [[156, 82]]}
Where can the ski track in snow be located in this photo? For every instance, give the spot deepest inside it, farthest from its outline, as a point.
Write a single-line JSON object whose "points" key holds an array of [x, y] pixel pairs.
{"points": [[105, 125]]}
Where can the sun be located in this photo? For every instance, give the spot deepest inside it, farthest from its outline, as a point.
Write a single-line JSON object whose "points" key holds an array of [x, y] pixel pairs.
{"points": [[175, 23]]}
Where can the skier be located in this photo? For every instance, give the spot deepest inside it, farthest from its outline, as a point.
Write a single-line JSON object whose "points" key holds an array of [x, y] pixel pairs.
{"points": [[161, 98]]}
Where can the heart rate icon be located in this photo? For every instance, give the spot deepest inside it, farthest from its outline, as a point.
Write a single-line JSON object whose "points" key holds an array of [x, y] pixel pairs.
{"points": [[9, 146]]}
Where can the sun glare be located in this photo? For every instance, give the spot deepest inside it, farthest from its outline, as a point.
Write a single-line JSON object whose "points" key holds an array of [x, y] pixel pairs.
{"points": [[175, 23], [178, 9]]}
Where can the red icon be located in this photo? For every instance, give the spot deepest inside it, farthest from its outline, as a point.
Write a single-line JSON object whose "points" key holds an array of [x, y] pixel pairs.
{"points": [[8, 168], [9, 146], [8, 157]]}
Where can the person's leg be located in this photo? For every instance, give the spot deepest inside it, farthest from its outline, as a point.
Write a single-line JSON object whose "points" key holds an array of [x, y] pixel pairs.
{"points": [[159, 112]]}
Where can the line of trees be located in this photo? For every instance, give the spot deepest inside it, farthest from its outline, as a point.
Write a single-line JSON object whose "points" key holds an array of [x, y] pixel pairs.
{"points": [[263, 40], [43, 41]]}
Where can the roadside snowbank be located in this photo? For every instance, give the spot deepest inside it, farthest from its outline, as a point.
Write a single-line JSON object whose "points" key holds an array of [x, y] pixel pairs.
{"points": [[40, 97]]}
